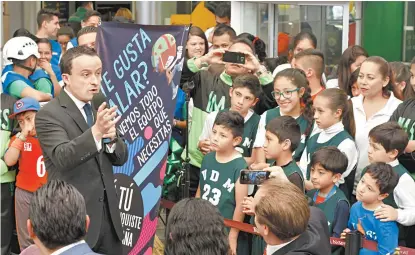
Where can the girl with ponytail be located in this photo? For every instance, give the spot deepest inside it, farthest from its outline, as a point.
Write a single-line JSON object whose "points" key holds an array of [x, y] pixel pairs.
{"points": [[333, 114]]}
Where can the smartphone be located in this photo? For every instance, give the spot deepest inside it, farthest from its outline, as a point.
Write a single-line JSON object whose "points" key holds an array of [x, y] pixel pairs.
{"points": [[253, 176], [233, 57]]}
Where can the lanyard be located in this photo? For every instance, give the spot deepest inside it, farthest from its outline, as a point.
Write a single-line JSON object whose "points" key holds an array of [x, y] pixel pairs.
{"points": [[331, 193]]}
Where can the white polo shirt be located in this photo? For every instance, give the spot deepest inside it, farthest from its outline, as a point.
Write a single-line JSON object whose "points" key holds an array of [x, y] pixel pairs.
{"points": [[364, 126]]}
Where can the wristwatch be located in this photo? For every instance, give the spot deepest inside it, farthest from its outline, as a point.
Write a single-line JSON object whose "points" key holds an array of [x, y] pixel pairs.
{"points": [[21, 136]]}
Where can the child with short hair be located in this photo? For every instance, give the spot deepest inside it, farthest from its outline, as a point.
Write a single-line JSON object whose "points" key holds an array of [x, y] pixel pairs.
{"points": [[327, 166], [376, 185], [245, 93], [220, 171], [386, 142], [282, 138], [25, 149]]}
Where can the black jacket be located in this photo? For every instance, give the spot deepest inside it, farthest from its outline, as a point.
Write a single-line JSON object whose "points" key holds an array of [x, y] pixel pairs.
{"points": [[71, 155], [314, 241]]}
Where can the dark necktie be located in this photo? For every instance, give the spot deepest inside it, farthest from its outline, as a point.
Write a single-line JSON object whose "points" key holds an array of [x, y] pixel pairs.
{"points": [[88, 113]]}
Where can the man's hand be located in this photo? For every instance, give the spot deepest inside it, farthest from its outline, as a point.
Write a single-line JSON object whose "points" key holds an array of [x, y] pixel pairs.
{"points": [[386, 213], [258, 166], [204, 146], [111, 134], [213, 57], [343, 235], [106, 120], [248, 206], [251, 62], [277, 173]]}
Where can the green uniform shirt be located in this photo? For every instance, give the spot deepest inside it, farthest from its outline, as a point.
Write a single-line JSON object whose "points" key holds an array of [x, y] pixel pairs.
{"points": [[217, 182], [313, 146], [7, 125], [329, 205]]}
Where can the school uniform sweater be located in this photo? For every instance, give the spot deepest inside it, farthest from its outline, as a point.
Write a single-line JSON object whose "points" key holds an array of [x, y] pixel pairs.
{"points": [[336, 136]]}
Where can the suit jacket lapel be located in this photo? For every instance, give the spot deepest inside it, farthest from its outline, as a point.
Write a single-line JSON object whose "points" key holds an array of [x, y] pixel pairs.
{"points": [[72, 110]]}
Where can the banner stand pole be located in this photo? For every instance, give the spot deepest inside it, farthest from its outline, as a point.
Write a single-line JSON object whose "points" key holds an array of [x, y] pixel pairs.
{"points": [[185, 172]]}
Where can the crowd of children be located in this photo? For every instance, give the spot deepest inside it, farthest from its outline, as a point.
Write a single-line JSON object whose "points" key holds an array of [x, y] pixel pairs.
{"points": [[344, 154]]}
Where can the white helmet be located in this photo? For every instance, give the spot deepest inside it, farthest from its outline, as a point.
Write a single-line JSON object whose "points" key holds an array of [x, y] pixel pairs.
{"points": [[20, 48]]}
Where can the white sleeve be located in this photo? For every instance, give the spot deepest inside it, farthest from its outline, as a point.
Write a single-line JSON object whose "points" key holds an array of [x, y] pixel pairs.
{"points": [[69, 45], [349, 148], [260, 134], [208, 126], [304, 163], [404, 195]]}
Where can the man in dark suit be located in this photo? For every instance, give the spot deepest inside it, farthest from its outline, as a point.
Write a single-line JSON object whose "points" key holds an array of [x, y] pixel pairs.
{"points": [[63, 228], [80, 146], [287, 224]]}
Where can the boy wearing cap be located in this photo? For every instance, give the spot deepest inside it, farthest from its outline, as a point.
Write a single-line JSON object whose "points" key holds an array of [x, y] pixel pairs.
{"points": [[24, 148]]}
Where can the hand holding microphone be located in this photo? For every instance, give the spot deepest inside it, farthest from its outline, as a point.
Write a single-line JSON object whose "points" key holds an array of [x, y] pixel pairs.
{"points": [[106, 119]]}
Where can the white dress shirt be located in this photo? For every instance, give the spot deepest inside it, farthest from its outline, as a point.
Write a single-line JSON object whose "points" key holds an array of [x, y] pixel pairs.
{"points": [[65, 248], [80, 105], [273, 248], [363, 127], [404, 195]]}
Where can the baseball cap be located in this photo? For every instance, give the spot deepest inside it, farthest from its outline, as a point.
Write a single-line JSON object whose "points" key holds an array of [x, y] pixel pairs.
{"points": [[23, 105]]}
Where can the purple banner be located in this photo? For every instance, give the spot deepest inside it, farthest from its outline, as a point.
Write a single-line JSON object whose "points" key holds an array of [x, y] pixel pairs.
{"points": [[142, 66]]}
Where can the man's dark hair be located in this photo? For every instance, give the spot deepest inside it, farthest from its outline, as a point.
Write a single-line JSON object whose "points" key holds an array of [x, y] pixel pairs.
{"points": [[58, 214], [91, 13], [189, 220], [231, 120], [46, 15], [285, 127], [71, 54], [331, 159], [223, 10], [246, 42], [314, 59], [250, 82], [222, 29], [386, 178], [391, 136], [25, 32], [87, 30], [305, 34]]}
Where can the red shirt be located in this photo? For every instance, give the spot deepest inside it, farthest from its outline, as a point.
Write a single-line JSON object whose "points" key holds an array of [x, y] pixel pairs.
{"points": [[32, 173]]}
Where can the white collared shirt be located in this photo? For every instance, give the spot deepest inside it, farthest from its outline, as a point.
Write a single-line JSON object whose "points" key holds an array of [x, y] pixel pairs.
{"points": [[363, 127], [273, 248], [347, 146], [80, 105], [65, 248], [404, 196]]}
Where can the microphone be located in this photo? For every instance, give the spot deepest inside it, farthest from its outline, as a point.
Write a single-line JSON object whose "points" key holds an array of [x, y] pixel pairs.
{"points": [[97, 100]]}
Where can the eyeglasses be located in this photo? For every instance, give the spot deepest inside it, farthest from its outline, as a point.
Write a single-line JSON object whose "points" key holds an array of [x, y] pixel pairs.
{"points": [[286, 94]]}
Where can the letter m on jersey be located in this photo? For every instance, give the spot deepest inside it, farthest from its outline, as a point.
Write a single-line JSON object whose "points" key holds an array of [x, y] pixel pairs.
{"points": [[229, 185]]}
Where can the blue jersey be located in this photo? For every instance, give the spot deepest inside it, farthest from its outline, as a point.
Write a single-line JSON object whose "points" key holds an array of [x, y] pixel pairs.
{"points": [[56, 52], [11, 77], [6, 69], [74, 41], [384, 233]]}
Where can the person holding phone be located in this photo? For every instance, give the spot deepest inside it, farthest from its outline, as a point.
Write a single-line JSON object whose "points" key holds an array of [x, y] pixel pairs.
{"points": [[211, 93]]}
